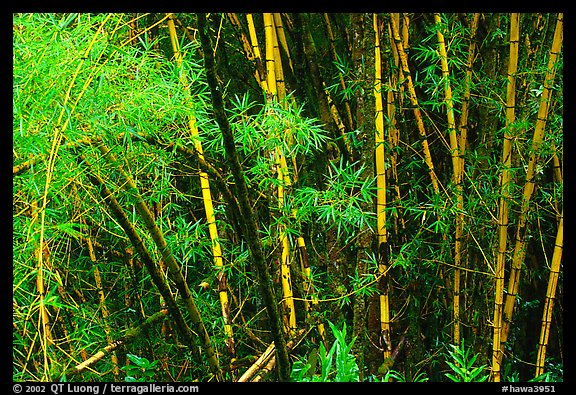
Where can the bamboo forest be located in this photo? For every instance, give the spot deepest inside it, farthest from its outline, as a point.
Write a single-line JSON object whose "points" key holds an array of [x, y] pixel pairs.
{"points": [[287, 197]]}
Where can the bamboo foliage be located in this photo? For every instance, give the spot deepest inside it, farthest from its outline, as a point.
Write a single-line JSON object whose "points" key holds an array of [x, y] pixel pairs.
{"points": [[519, 246], [550, 296], [208, 205], [504, 186]]}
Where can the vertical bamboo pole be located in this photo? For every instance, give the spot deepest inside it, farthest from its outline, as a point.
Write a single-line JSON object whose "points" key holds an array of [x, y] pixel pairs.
{"points": [[380, 163], [550, 296], [456, 179], [505, 194], [274, 74]]}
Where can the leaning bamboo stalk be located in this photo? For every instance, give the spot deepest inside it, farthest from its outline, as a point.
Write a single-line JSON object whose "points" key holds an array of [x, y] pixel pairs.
{"points": [[414, 102], [380, 163], [456, 179], [505, 195], [260, 362], [174, 269], [145, 256], [208, 206], [256, 50], [519, 246], [282, 38], [550, 296]]}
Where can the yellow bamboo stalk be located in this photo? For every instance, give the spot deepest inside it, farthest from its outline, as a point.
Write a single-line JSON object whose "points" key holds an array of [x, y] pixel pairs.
{"points": [[278, 70], [256, 50], [256, 366], [380, 162], [519, 246], [208, 205], [113, 345], [274, 73], [405, 30], [550, 296], [457, 176], [505, 194], [282, 38], [269, 56]]}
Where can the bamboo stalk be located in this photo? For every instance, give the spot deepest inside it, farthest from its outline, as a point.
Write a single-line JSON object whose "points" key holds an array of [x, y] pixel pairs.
{"points": [[276, 91], [505, 195], [550, 297], [380, 163], [456, 179], [256, 49]]}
